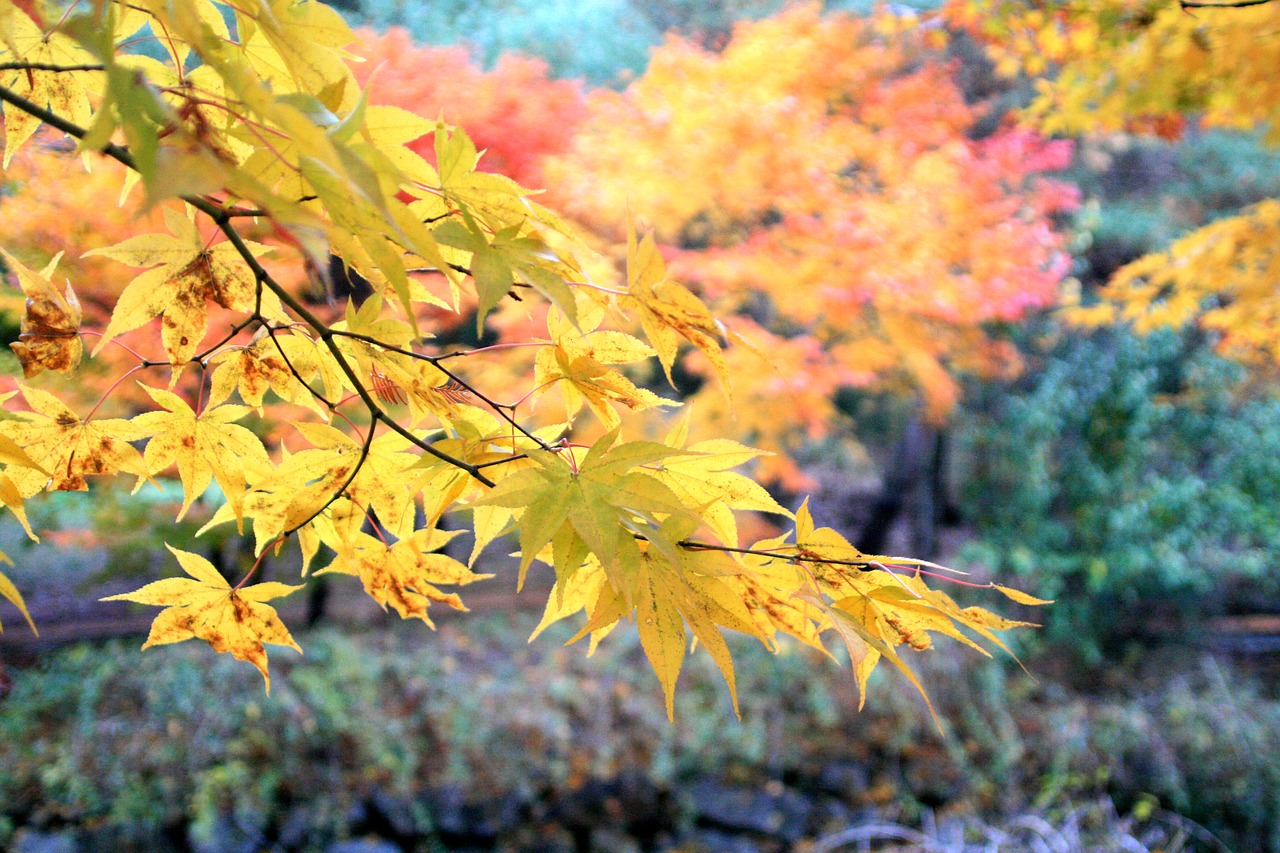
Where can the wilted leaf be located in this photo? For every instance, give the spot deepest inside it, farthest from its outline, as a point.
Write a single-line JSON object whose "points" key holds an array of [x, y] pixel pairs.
{"points": [[50, 336]]}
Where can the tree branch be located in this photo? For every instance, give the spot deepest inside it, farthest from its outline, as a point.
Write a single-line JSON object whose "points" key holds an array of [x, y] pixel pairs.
{"points": [[1234, 4], [498, 409], [54, 120], [48, 66], [222, 218]]}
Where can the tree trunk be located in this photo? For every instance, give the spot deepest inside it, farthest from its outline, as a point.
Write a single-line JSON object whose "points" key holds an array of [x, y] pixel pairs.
{"points": [[915, 481]]}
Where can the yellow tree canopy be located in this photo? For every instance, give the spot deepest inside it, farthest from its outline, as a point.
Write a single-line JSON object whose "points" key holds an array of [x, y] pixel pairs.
{"points": [[1154, 66]]}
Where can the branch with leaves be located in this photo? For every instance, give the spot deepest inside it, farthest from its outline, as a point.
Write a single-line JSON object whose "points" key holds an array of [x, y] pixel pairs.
{"points": [[260, 125]]}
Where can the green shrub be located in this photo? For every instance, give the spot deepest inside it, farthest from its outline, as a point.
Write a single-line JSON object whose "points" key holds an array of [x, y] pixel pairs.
{"points": [[104, 737], [1132, 478], [1145, 193]]}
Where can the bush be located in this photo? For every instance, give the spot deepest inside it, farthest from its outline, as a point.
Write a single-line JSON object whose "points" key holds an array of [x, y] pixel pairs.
{"points": [[99, 737], [1136, 480], [1149, 192]]}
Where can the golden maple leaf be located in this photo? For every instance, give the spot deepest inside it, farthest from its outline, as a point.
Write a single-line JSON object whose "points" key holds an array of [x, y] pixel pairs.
{"points": [[66, 94], [404, 575], [204, 446], [878, 603], [281, 363], [704, 479], [231, 620], [50, 337], [668, 311], [579, 362], [183, 274], [662, 597], [10, 593], [67, 448]]}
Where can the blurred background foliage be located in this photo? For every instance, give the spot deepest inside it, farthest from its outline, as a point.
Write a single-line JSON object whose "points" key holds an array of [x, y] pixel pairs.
{"points": [[605, 42], [1134, 479], [490, 743]]}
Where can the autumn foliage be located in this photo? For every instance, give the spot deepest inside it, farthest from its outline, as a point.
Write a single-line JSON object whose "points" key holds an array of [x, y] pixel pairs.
{"points": [[817, 181], [1154, 67], [514, 112], [255, 145]]}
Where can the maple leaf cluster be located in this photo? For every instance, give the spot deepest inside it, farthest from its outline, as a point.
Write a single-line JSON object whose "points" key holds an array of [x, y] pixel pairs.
{"points": [[261, 127]]}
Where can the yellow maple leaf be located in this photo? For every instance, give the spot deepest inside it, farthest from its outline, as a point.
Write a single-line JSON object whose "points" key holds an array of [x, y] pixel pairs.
{"points": [[65, 94], [579, 362], [704, 480], [405, 575], [204, 446], [292, 45], [381, 484], [668, 311], [292, 493], [873, 603], [768, 590], [11, 497], [50, 336], [663, 590], [10, 593], [231, 620], [66, 448], [265, 365], [183, 275]]}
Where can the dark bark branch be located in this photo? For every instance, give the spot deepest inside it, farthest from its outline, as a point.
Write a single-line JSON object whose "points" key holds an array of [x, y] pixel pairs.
{"points": [[47, 66], [1234, 4]]}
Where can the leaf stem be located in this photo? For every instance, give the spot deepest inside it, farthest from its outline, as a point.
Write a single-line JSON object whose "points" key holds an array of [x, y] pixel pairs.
{"points": [[114, 386]]}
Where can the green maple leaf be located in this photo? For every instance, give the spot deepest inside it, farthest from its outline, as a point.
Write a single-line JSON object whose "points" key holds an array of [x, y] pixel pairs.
{"points": [[496, 263], [600, 508]]}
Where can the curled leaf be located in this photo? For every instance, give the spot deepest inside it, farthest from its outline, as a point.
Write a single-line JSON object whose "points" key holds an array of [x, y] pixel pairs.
{"points": [[50, 335]]}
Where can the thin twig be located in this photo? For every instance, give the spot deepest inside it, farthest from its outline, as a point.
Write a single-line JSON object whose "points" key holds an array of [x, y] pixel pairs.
{"points": [[1235, 4], [48, 66], [499, 409]]}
